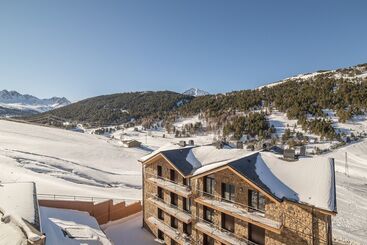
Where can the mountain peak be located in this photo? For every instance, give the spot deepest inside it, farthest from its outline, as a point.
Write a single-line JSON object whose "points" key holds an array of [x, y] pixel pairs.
{"points": [[14, 103], [195, 92]]}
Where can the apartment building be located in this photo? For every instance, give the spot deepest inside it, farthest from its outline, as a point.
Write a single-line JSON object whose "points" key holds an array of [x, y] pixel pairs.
{"points": [[210, 195]]}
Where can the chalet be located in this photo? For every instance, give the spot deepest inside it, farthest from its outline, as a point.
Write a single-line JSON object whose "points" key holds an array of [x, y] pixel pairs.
{"points": [[210, 195]]}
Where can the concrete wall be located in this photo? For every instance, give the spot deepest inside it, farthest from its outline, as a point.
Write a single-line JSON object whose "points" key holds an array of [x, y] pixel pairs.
{"points": [[103, 212]]}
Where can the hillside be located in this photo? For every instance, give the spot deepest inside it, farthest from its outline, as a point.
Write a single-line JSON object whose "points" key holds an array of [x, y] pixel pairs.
{"points": [[310, 99], [317, 102], [115, 108]]}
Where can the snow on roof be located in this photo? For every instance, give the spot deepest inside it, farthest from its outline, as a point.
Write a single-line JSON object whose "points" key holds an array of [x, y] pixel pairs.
{"points": [[19, 199], [308, 180], [166, 147], [18, 209], [65, 226], [206, 158]]}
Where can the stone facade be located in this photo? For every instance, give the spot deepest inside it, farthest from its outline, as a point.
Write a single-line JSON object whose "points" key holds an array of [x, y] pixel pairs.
{"points": [[301, 224]]}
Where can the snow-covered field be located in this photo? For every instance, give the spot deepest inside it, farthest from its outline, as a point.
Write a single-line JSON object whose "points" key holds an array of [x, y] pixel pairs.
{"points": [[68, 163], [71, 163], [128, 231]]}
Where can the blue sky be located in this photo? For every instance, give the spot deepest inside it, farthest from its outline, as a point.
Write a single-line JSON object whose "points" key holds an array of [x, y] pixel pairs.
{"points": [[84, 48]]}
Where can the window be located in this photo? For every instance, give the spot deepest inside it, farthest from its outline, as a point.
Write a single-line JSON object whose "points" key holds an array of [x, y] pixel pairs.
{"points": [[256, 234], [208, 240], [160, 235], [160, 192], [228, 222], [174, 222], [256, 200], [184, 181], [174, 199], [186, 204], [209, 184], [187, 228], [208, 214], [160, 214], [228, 191], [172, 175], [159, 171], [173, 242]]}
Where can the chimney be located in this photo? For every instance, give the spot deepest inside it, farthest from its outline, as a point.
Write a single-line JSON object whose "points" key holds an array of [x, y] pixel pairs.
{"points": [[182, 143], [191, 142]]}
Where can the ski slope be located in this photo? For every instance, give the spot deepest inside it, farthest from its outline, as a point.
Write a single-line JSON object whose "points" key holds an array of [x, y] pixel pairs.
{"points": [[68, 163]]}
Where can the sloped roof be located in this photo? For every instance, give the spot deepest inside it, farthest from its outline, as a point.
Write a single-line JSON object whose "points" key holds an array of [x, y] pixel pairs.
{"points": [[309, 180]]}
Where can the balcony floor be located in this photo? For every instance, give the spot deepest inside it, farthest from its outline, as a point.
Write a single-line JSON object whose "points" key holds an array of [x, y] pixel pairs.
{"points": [[179, 214], [173, 187], [169, 231], [241, 213], [221, 235]]}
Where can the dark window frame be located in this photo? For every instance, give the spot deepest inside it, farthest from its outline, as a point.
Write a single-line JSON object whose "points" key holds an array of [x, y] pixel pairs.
{"points": [[256, 201], [209, 185], [159, 171], [187, 229], [160, 192], [160, 214], [174, 199], [160, 235], [173, 175], [228, 222], [208, 214], [228, 191], [174, 222], [186, 202]]}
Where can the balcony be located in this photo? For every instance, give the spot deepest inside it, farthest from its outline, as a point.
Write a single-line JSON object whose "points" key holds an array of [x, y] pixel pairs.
{"points": [[180, 214], [169, 185], [169, 231], [239, 211], [221, 234]]}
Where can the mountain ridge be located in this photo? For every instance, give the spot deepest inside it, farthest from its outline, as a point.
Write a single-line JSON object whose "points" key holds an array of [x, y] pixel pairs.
{"points": [[13, 103]]}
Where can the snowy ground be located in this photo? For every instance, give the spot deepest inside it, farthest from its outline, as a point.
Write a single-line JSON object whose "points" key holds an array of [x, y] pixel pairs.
{"points": [[71, 163], [128, 231], [350, 224]]}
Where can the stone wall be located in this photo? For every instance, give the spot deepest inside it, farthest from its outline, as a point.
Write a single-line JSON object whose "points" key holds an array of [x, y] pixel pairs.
{"points": [[151, 189], [302, 224]]}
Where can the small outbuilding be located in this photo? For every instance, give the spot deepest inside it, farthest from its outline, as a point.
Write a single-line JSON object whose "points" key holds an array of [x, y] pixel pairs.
{"points": [[131, 143]]}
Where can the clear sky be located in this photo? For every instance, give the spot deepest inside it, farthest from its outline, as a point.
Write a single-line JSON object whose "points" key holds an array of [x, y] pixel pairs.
{"points": [[84, 48]]}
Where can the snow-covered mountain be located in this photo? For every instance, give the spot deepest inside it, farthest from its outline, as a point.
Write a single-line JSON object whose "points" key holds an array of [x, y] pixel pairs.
{"points": [[195, 92], [13, 103]]}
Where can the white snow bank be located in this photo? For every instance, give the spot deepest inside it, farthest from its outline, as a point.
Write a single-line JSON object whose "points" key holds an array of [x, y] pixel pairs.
{"points": [[64, 226], [128, 231], [308, 180], [17, 199]]}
